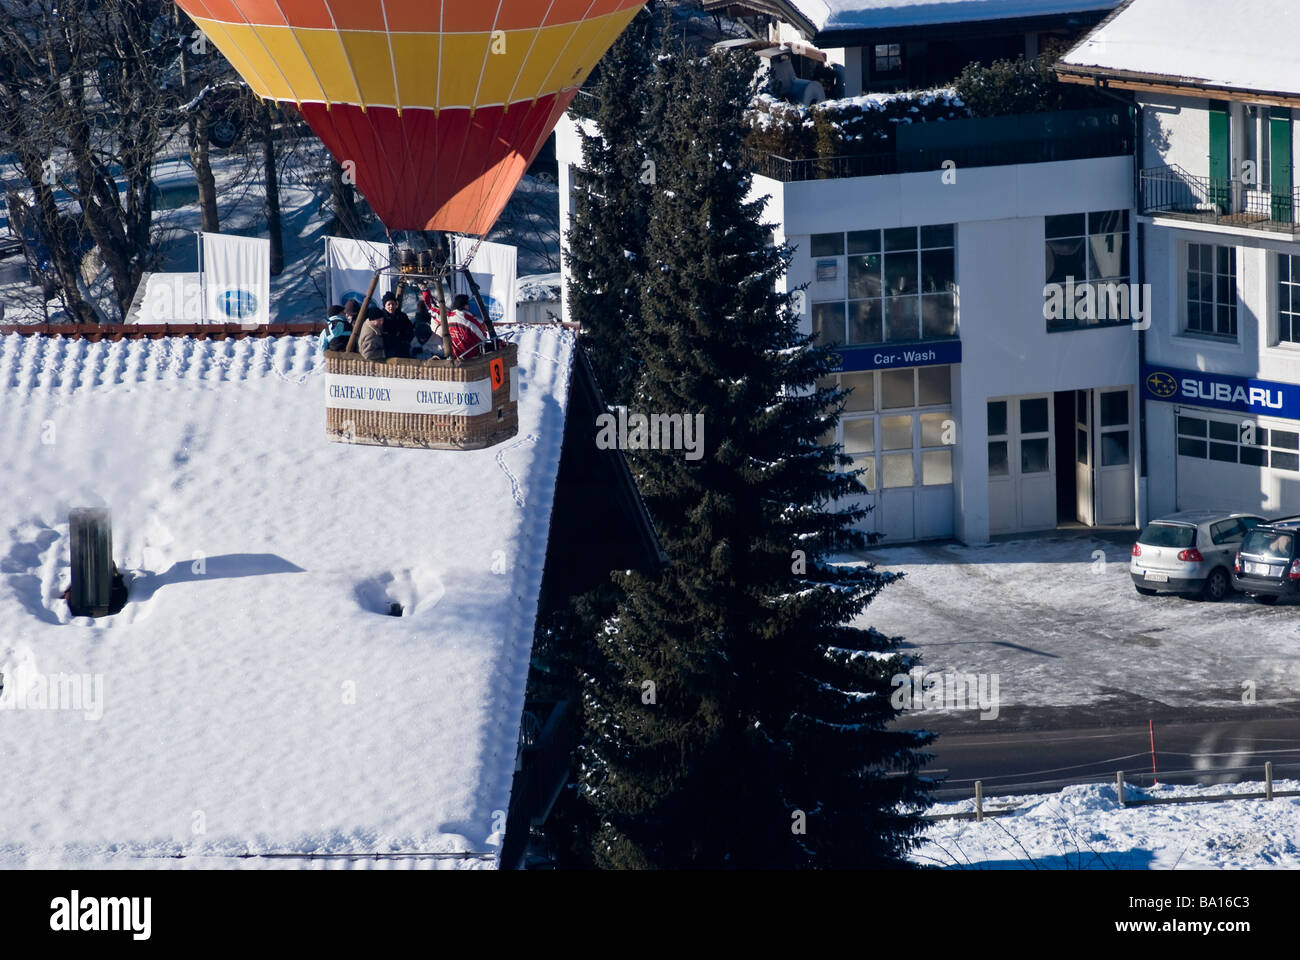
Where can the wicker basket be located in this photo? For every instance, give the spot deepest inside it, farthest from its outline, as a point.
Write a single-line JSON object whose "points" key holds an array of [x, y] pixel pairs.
{"points": [[488, 375]]}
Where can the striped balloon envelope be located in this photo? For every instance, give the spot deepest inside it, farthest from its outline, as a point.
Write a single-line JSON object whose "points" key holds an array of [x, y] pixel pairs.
{"points": [[437, 107]]}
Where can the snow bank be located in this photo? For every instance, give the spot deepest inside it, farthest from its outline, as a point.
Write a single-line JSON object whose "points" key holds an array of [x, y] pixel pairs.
{"points": [[1084, 828]]}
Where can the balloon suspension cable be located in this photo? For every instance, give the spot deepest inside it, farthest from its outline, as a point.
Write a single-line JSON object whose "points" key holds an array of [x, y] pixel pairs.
{"points": [[473, 252]]}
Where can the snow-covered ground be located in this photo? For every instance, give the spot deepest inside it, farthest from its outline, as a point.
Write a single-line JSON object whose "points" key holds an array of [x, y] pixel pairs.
{"points": [[253, 696], [1085, 828], [1057, 620]]}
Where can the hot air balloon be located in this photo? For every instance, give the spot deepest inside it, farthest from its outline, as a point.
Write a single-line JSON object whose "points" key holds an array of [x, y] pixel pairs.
{"points": [[438, 106]]}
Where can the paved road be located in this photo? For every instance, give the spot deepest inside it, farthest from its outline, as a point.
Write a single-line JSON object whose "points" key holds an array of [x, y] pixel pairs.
{"points": [[1002, 755]]}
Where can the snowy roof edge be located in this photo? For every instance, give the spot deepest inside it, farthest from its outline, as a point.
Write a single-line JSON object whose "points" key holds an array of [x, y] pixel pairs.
{"points": [[832, 20], [1072, 68]]}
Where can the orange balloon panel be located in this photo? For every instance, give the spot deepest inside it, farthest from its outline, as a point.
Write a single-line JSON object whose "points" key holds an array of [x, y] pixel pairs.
{"points": [[437, 108]]}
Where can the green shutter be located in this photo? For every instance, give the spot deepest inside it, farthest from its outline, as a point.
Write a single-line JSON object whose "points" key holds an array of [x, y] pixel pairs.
{"points": [[1220, 182], [1279, 135]]}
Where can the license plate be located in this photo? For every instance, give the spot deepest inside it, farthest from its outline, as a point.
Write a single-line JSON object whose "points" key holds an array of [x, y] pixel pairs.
{"points": [[1262, 569], [1157, 577]]}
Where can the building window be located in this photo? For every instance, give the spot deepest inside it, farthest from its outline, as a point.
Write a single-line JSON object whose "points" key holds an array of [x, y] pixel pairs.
{"points": [[1087, 270], [901, 286], [1212, 290], [897, 426], [1238, 441], [887, 58], [1288, 298]]}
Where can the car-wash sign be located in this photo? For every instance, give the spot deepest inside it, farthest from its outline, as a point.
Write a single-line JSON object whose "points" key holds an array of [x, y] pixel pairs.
{"points": [[1221, 391], [855, 359], [394, 395]]}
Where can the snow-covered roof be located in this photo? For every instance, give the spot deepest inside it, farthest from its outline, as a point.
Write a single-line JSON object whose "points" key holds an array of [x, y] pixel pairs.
{"points": [[254, 697], [825, 15], [1186, 41]]}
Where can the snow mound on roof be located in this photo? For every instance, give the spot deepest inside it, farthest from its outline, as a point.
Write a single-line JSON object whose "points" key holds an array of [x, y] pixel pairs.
{"points": [[253, 697], [538, 287], [850, 14], [1184, 39]]}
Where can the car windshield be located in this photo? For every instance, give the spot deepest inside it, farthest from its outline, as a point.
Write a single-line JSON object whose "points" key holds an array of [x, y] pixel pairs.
{"points": [[1273, 544], [1168, 535]]}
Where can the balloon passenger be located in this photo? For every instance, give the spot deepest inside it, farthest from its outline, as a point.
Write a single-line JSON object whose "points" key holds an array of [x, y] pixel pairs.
{"points": [[468, 333], [337, 330], [398, 329], [370, 344]]}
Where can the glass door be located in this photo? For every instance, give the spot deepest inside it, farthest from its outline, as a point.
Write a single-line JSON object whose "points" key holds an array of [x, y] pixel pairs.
{"points": [[1083, 457]]}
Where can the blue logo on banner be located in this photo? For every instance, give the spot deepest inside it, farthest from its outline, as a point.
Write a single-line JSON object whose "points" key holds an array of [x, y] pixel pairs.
{"points": [[855, 359], [356, 295], [239, 304], [1221, 391], [495, 311]]}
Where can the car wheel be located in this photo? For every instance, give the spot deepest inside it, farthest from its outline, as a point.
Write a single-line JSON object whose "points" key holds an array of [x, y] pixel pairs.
{"points": [[1144, 591], [1216, 585], [1266, 599]]}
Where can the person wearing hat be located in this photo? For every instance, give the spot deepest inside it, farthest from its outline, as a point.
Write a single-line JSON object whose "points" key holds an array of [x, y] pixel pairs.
{"points": [[370, 343], [468, 333], [337, 330], [398, 329]]}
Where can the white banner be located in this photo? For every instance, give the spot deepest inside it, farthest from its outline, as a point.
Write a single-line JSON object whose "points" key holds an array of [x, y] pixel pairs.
{"points": [[351, 264], [167, 298], [493, 268], [394, 395], [236, 279]]}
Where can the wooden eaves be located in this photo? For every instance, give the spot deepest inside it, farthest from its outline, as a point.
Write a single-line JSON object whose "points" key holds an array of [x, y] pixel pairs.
{"points": [[1109, 79]]}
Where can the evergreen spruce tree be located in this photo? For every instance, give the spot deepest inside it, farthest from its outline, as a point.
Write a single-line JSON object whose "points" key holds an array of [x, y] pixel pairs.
{"points": [[611, 194], [733, 714]]}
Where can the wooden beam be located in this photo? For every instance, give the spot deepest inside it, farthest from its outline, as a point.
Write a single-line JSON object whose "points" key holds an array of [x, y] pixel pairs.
{"points": [[1177, 88]]}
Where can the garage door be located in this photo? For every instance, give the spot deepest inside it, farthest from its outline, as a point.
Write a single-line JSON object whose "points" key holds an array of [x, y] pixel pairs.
{"points": [[1228, 462], [898, 427]]}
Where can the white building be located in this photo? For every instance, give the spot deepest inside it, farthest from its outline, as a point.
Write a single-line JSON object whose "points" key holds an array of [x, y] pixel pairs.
{"points": [[1217, 235], [971, 413]]}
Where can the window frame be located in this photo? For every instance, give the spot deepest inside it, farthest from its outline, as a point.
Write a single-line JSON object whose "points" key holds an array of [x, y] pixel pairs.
{"points": [[879, 304], [1276, 339], [1233, 278], [1087, 237], [1185, 429], [888, 56], [877, 413]]}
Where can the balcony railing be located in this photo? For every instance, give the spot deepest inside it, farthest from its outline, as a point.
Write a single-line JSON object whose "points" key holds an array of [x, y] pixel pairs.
{"points": [[1173, 192], [988, 142]]}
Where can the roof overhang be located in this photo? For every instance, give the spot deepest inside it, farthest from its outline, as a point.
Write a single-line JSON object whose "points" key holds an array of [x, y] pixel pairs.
{"points": [[855, 36], [1108, 79]]}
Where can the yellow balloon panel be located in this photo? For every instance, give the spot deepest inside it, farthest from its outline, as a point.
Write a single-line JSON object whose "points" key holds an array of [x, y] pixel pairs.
{"points": [[415, 69], [325, 48]]}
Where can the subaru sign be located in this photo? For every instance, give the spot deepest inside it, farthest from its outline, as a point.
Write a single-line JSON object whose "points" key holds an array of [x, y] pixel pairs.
{"points": [[1221, 391]]}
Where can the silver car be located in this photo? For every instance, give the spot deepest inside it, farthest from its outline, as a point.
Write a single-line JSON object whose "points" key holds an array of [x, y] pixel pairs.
{"points": [[1190, 553]]}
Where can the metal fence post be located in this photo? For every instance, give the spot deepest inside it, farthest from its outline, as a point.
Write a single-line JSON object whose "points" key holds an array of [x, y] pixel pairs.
{"points": [[1119, 786], [979, 801], [1268, 780]]}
